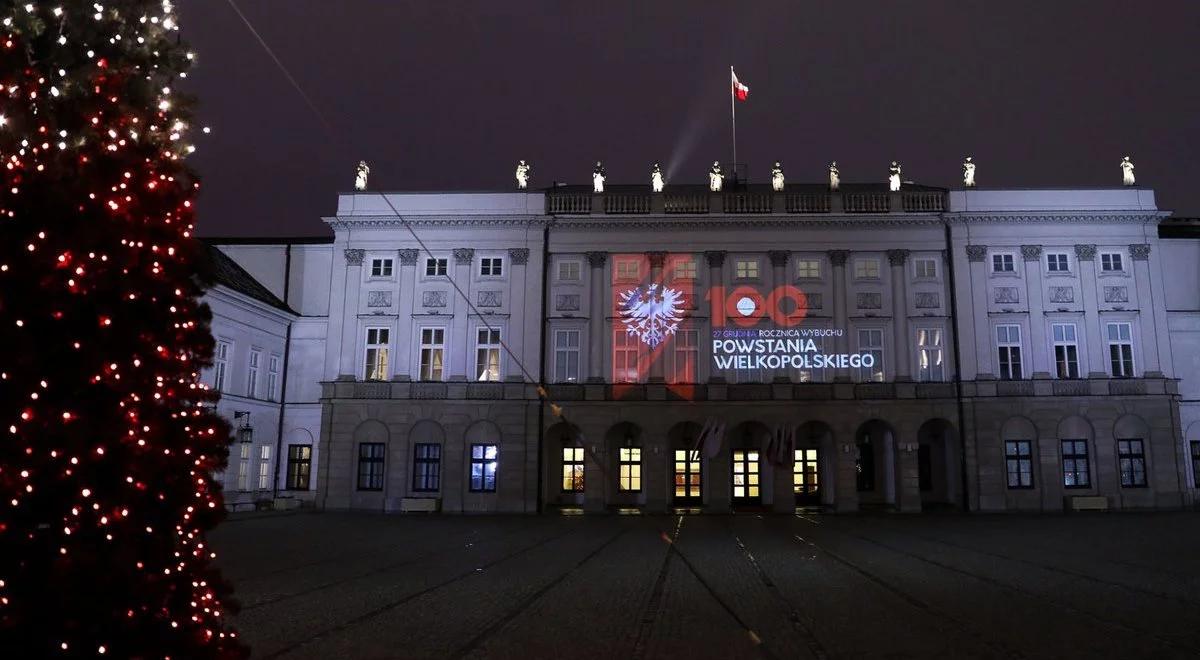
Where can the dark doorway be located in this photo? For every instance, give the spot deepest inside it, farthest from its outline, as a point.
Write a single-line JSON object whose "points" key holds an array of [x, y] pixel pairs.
{"points": [[924, 468], [864, 464]]}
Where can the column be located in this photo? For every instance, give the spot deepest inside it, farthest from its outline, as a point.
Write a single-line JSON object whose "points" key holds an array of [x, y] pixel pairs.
{"points": [[656, 356], [1085, 258], [837, 259], [779, 262], [716, 261], [897, 259], [337, 311], [349, 321], [979, 309], [402, 353], [458, 344], [597, 337], [518, 319], [1151, 360], [1037, 347]]}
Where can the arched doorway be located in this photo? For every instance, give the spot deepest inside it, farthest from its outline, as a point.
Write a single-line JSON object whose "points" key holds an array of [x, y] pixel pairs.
{"points": [[686, 465], [875, 463], [810, 473], [747, 441], [938, 464]]}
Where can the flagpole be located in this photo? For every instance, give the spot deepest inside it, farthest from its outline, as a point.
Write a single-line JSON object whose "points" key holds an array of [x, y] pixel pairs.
{"points": [[733, 116]]}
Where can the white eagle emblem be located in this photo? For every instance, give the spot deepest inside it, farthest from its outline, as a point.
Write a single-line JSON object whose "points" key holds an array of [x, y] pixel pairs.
{"points": [[651, 313]]}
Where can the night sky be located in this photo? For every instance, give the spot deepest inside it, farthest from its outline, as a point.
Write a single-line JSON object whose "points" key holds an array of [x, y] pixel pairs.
{"points": [[447, 95]]}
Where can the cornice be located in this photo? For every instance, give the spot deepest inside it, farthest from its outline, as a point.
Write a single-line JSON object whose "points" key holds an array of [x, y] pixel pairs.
{"points": [[718, 221], [388, 221], [1057, 217]]}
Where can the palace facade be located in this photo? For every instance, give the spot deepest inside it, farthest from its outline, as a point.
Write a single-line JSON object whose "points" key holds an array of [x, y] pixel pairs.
{"points": [[993, 350]]}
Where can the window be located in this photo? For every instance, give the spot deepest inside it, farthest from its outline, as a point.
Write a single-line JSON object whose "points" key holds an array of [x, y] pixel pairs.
{"points": [[252, 373], [925, 268], [273, 378], [1075, 464], [687, 351], [433, 345], [487, 354], [684, 268], [483, 468], [1002, 263], [808, 268], [1196, 462], [628, 269], [381, 268], [813, 374], [243, 475], [264, 467], [568, 271], [299, 466], [1008, 346], [1111, 262], [221, 364], [870, 341], [566, 356], [376, 367], [1131, 456], [930, 366], [370, 466], [629, 479], [427, 467], [866, 269], [805, 472], [435, 267], [572, 469], [1056, 262], [1018, 457], [1066, 350], [745, 269], [1120, 349], [491, 266], [625, 357]]}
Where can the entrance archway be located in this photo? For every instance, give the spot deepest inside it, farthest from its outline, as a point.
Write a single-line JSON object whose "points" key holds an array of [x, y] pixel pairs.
{"points": [[938, 464], [875, 463]]}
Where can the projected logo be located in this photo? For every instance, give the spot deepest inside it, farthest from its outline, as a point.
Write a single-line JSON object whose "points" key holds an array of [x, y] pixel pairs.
{"points": [[651, 313]]}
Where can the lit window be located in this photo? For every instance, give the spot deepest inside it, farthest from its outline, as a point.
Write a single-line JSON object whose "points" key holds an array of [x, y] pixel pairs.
{"points": [[870, 342], [1131, 456], [273, 378], [1120, 349], [299, 466], [1018, 459], [487, 354], [813, 374], [381, 268], [685, 269], [370, 466], [1002, 263], [568, 271], [435, 267], [1076, 473], [925, 268], [1111, 262], [1008, 346], [745, 269], [628, 269], [252, 373], [930, 366], [805, 472], [866, 269], [687, 474], [809, 269], [630, 463], [221, 364], [1056, 262], [572, 469], [243, 475], [427, 467], [745, 474], [491, 266], [483, 468], [264, 467], [433, 346], [1066, 350], [566, 356], [687, 353], [376, 367]]}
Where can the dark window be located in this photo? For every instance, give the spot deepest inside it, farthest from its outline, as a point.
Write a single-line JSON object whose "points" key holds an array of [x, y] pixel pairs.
{"points": [[924, 469], [381, 268], [483, 468], [1076, 473], [491, 266], [572, 469], [1002, 263], [370, 466], [864, 465], [299, 464], [434, 267], [1018, 459], [1131, 455], [427, 467], [1196, 462]]}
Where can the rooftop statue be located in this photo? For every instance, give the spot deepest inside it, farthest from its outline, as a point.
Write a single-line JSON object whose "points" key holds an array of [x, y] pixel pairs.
{"points": [[656, 179], [598, 178], [524, 171], [894, 177], [360, 175], [1127, 171], [715, 178], [777, 177], [835, 177], [968, 173]]}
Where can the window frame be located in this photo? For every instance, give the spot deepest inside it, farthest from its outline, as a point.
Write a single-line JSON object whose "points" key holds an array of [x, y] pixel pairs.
{"points": [[684, 269], [479, 483], [578, 267], [1053, 261], [1135, 459], [495, 267], [421, 480], [1005, 348], [686, 356], [264, 467], [273, 362], [253, 367], [1195, 446], [1013, 457], [626, 345], [747, 268], [484, 352], [861, 270], [561, 352], [441, 266], [431, 346], [386, 268], [222, 353], [371, 467], [926, 374], [808, 268], [1004, 263], [622, 268], [931, 262], [243, 471], [379, 362], [576, 476], [629, 468], [1124, 347], [1114, 257], [862, 374], [299, 465], [1065, 344], [1075, 458]]}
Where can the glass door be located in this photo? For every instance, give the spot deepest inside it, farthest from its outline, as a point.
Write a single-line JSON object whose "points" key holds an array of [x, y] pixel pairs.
{"points": [[746, 477], [806, 478], [687, 476]]}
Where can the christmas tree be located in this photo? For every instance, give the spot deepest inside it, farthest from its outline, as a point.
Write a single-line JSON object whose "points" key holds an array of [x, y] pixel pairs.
{"points": [[109, 438]]}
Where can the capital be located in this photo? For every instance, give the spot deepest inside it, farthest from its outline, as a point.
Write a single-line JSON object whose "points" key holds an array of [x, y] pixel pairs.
{"points": [[897, 257], [976, 252], [408, 257], [779, 257], [838, 257], [715, 258], [1085, 252], [657, 259], [597, 259], [463, 255], [519, 256], [1139, 251], [1031, 252], [354, 257]]}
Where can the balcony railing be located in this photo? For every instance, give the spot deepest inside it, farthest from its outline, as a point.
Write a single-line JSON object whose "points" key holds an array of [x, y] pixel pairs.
{"points": [[685, 203], [697, 200]]}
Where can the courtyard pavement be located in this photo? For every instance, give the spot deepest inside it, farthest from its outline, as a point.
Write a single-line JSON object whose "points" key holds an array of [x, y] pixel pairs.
{"points": [[361, 586]]}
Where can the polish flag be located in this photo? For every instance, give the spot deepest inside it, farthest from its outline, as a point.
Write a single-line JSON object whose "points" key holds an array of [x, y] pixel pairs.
{"points": [[739, 90]]}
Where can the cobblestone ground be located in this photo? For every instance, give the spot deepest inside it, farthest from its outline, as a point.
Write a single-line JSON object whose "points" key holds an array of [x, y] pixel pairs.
{"points": [[341, 585]]}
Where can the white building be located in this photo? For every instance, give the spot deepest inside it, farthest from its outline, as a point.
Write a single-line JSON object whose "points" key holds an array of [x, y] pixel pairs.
{"points": [[988, 349]]}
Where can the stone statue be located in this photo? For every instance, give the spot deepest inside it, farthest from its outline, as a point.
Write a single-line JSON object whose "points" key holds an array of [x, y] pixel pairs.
{"points": [[894, 177], [835, 177], [968, 173], [1127, 170], [777, 177], [598, 178], [360, 175], [524, 171], [656, 179], [715, 178]]}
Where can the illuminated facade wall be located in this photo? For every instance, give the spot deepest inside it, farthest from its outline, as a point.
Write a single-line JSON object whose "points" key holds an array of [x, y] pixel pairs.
{"points": [[864, 304]]}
